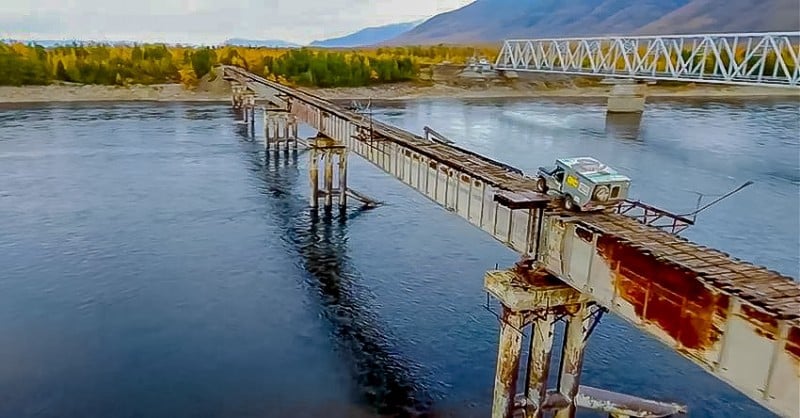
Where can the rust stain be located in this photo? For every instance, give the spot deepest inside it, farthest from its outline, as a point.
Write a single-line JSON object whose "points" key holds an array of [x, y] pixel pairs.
{"points": [[673, 299], [433, 164], [793, 342], [465, 178], [508, 367], [765, 325], [584, 234], [524, 270]]}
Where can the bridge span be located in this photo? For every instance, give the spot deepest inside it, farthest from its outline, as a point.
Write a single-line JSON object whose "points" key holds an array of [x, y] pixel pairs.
{"points": [[754, 59], [738, 321], [750, 59]]}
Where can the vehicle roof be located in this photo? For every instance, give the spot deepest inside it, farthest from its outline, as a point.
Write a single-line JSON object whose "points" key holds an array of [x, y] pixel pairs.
{"points": [[592, 169]]}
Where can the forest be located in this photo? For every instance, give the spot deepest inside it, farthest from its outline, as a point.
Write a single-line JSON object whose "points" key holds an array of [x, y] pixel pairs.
{"points": [[26, 64]]}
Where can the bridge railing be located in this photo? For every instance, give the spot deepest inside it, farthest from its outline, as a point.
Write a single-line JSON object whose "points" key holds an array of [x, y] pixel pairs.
{"points": [[653, 216], [743, 58]]}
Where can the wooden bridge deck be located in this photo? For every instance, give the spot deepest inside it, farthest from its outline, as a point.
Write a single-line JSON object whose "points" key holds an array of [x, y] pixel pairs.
{"points": [[739, 321]]}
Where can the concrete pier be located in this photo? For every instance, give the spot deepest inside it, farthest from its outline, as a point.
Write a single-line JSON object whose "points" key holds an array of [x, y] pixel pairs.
{"points": [[579, 320], [243, 102], [626, 97], [529, 296], [327, 152], [249, 110], [237, 98], [280, 130], [313, 177], [539, 354]]}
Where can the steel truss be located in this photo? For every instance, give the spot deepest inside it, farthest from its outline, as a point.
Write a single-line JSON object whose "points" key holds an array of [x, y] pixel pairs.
{"points": [[739, 58]]}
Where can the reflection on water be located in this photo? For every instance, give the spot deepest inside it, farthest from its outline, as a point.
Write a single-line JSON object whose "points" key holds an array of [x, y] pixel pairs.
{"points": [[155, 262], [384, 379], [623, 125]]}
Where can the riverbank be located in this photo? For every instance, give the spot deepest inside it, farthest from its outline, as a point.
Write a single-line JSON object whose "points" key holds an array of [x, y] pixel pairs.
{"points": [[216, 92], [411, 92]]}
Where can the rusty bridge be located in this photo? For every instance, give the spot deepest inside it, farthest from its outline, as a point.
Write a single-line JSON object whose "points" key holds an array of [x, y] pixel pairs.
{"points": [[738, 321]]}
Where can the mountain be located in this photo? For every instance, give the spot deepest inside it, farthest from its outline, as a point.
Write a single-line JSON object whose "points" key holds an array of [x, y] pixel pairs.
{"points": [[46, 43], [367, 36], [267, 43], [50, 43], [495, 20], [729, 16]]}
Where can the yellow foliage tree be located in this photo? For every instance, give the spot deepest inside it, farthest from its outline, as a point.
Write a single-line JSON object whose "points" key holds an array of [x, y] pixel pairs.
{"points": [[188, 77]]}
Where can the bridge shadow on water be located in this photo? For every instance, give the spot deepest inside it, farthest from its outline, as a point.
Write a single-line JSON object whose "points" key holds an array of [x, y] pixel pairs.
{"points": [[387, 384]]}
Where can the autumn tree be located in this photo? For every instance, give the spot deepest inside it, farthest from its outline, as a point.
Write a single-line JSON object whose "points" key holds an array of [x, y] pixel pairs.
{"points": [[202, 61]]}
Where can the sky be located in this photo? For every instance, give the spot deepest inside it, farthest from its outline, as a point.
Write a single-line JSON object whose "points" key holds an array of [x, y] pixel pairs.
{"points": [[205, 21]]}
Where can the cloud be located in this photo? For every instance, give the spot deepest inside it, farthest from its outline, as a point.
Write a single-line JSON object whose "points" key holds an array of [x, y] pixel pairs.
{"points": [[206, 21]]}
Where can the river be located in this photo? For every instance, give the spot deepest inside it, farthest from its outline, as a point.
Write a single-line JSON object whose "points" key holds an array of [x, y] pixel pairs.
{"points": [[154, 263]]}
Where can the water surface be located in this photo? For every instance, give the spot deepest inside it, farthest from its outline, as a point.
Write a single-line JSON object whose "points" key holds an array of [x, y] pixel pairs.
{"points": [[156, 263]]}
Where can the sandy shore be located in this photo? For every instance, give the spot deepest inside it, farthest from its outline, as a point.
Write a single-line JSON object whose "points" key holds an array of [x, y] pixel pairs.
{"points": [[215, 92], [91, 93]]}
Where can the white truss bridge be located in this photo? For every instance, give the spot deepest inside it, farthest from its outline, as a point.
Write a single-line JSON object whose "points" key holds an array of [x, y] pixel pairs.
{"points": [[731, 58]]}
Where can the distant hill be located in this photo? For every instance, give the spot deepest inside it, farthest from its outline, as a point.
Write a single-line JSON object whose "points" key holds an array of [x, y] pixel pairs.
{"points": [[48, 43], [729, 16], [367, 36], [267, 43], [495, 20]]}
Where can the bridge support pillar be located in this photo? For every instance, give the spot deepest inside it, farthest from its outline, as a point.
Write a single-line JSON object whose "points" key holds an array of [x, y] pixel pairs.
{"points": [[249, 110], [529, 296], [313, 177], [327, 151], [280, 130], [579, 320], [539, 353], [508, 355], [626, 97], [237, 98]]}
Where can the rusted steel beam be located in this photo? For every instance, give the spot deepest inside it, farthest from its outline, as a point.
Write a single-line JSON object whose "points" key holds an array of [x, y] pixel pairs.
{"points": [[508, 355], [741, 338]]}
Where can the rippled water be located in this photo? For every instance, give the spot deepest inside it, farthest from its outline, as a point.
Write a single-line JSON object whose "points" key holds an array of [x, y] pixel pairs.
{"points": [[155, 263]]}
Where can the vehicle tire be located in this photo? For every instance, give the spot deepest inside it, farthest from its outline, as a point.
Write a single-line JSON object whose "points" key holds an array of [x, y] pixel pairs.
{"points": [[541, 185], [570, 205]]}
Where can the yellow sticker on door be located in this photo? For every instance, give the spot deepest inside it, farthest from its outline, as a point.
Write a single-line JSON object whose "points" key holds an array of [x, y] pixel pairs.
{"points": [[572, 181]]}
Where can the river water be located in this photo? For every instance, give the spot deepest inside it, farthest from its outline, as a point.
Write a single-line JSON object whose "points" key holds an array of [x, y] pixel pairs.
{"points": [[154, 263]]}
